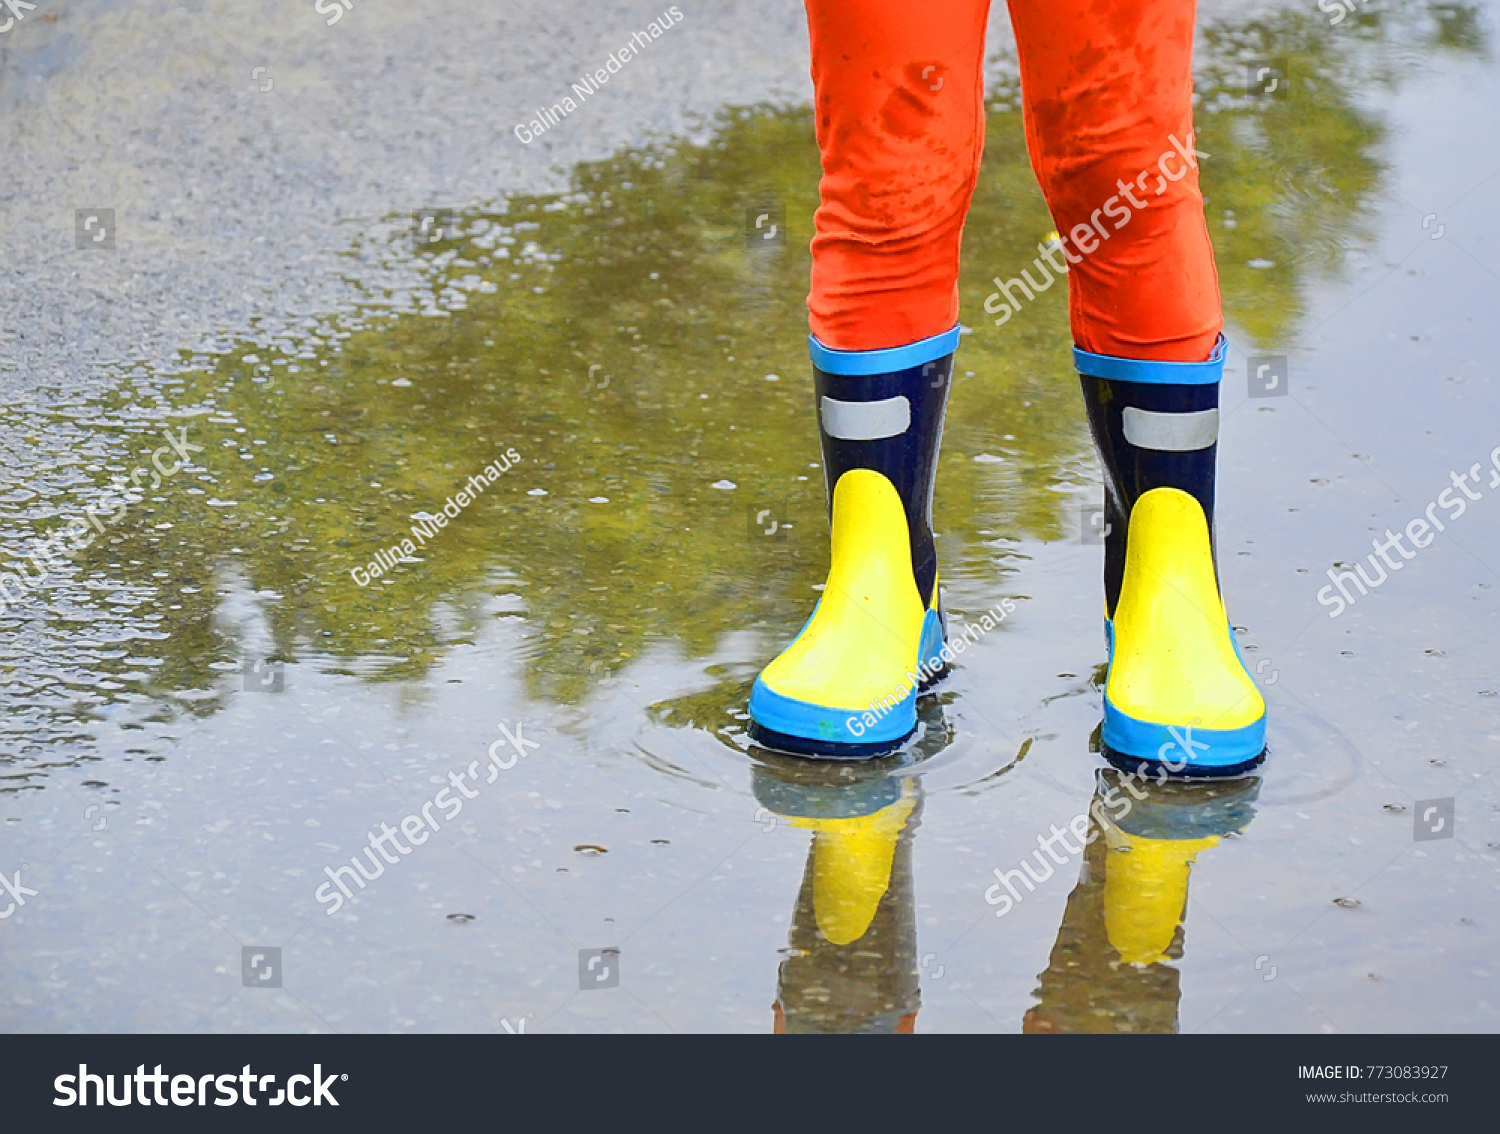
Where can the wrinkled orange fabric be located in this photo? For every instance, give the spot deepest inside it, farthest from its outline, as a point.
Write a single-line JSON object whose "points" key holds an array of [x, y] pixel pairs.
{"points": [[1107, 95]]}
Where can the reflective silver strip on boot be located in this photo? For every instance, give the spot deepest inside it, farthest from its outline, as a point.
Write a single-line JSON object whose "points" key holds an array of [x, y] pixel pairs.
{"points": [[865, 421], [1171, 432]]}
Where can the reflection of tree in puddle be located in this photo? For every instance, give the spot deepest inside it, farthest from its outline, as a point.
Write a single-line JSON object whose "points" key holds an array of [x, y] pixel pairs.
{"points": [[620, 337], [1113, 967]]}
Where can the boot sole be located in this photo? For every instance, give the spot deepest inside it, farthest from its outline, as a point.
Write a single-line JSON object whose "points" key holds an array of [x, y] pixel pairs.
{"points": [[1156, 770], [823, 749]]}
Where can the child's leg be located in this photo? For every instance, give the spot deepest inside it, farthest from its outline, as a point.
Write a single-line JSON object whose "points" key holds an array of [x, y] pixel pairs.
{"points": [[1107, 86], [1109, 123], [900, 121]]}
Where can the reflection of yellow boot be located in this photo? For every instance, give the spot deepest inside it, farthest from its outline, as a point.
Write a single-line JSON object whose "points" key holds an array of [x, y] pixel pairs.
{"points": [[1152, 846], [1145, 893], [851, 965], [852, 867], [1112, 969]]}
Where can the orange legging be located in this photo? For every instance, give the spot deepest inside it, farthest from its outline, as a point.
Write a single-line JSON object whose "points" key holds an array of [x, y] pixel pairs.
{"points": [[1106, 87]]}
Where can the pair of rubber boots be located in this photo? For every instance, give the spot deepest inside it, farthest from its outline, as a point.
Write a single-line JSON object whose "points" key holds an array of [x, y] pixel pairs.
{"points": [[1177, 700]]}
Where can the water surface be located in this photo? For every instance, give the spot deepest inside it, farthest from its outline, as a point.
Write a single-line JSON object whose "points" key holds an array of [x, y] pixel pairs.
{"points": [[206, 707]]}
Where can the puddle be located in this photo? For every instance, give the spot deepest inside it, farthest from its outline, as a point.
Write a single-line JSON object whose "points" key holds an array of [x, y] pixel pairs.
{"points": [[524, 539]]}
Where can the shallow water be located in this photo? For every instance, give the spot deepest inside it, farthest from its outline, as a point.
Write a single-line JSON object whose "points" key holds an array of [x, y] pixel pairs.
{"points": [[207, 708]]}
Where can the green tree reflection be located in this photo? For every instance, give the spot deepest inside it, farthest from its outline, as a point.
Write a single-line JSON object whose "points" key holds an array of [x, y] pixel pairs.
{"points": [[620, 338]]}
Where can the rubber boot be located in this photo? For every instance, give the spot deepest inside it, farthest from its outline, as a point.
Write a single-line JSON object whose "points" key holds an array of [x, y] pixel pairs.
{"points": [[847, 686], [1178, 697]]}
